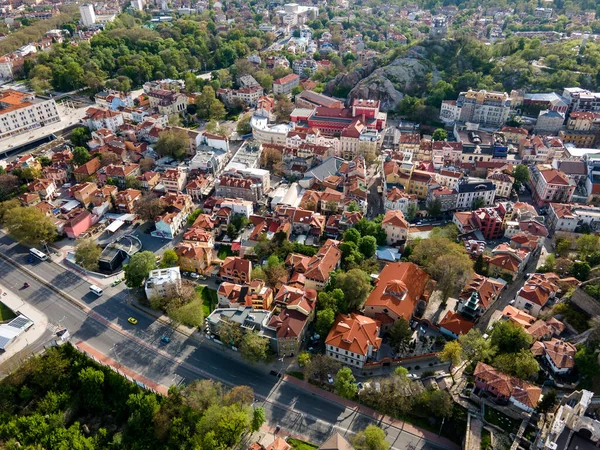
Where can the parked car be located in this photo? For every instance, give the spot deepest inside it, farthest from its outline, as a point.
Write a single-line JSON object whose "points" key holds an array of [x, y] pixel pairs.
{"points": [[194, 275], [165, 339], [329, 378]]}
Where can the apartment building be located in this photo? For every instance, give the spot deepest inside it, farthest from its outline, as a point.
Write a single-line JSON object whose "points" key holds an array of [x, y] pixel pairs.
{"points": [[20, 112], [173, 180], [168, 103], [482, 107], [550, 186], [285, 85]]}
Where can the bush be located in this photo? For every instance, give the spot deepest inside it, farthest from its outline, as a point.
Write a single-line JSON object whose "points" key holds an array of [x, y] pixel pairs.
{"points": [[428, 373]]}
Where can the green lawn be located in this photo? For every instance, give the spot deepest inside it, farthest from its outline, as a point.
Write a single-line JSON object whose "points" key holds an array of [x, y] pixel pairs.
{"points": [[501, 420], [297, 444], [486, 440], [224, 251], [209, 299], [6, 313]]}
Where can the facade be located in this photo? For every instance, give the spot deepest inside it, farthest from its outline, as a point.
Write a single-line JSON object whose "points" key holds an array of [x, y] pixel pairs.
{"points": [[536, 292], [88, 16], [467, 191], [395, 227], [398, 200], [285, 85], [168, 103], [559, 355], [195, 256], [21, 112], [236, 270], [481, 107], [173, 180], [550, 186], [353, 339], [549, 122]]}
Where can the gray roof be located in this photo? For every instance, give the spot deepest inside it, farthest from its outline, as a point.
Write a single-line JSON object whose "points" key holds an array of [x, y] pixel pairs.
{"points": [[14, 328], [476, 186], [572, 167], [245, 316], [328, 167], [545, 97]]}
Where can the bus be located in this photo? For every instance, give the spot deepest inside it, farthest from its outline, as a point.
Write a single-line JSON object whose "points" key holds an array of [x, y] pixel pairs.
{"points": [[96, 290], [39, 255]]}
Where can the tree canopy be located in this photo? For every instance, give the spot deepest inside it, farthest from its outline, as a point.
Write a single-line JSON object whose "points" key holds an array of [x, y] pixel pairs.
{"points": [[30, 226], [138, 268]]}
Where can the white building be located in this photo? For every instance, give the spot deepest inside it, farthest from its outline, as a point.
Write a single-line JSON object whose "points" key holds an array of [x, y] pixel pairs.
{"points": [[238, 206], [21, 112], [470, 190], [88, 16], [163, 282]]}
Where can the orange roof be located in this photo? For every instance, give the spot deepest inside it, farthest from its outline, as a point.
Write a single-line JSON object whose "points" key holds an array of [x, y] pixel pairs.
{"points": [[553, 176], [487, 289], [354, 333], [539, 288], [279, 443], [508, 386], [395, 219], [518, 316], [560, 352], [399, 287], [456, 324], [324, 262]]}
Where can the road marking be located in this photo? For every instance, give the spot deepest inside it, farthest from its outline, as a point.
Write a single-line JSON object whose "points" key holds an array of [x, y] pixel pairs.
{"points": [[317, 409]]}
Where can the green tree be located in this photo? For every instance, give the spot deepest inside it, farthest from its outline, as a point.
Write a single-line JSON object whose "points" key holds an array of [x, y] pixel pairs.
{"points": [[303, 359], [521, 173], [138, 268], [258, 418], [87, 254], [509, 337], [401, 372], [324, 321], [30, 226], [333, 300], [581, 270], [243, 126], [434, 207], [217, 110], [367, 246], [6, 206], [479, 202], [441, 403], [587, 244], [353, 206], [440, 135], [522, 364], [169, 259], [400, 333], [254, 347], [80, 136], [345, 383], [80, 155], [92, 382], [356, 286], [351, 235], [452, 353], [204, 102], [372, 438], [174, 143], [475, 347], [479, 266], [9, 186], [411, 211], [150, 207], [132, 182], [547, 402], [563, 247]]}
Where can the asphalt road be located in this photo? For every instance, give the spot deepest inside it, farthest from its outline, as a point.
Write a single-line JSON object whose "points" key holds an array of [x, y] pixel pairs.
{"points": [[183, 359]]}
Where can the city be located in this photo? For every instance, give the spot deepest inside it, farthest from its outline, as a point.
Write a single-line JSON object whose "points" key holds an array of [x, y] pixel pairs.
{"points": [[312, 225]]}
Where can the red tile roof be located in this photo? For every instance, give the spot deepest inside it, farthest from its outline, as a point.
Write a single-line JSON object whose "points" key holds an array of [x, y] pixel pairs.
{"points": [[456, 324], [508, 386], [354, 333]]}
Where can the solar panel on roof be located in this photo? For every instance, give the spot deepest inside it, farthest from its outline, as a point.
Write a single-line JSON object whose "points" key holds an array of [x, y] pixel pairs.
{"points": [[20, 322]]}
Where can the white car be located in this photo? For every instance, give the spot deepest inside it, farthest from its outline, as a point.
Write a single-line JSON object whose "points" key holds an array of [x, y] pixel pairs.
{"points": [[194, 275], [329, 379]]}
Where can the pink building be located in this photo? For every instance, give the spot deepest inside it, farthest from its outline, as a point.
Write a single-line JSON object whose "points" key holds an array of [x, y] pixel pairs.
{"points": [[550, 186], [78, 223]]}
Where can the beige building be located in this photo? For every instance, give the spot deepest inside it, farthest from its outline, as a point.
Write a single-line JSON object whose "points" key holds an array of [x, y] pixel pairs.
{"points": [[395, 227], [20, 112]]}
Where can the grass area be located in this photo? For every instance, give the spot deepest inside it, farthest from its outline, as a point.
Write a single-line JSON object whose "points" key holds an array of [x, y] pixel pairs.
{"points": [[6, 313], [530, 433], [298, 375], [454, 427], [190, 314], [224, 251], [486, 440], [501, 420], [209, 299], [297, 444]]}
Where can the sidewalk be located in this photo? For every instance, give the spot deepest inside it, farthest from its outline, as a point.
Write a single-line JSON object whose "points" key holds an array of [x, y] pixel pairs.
{"points": [[40, 323], [365, 410]]}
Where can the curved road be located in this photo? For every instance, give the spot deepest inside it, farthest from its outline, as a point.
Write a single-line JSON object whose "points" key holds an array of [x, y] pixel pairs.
{"points": [[183, 359]]}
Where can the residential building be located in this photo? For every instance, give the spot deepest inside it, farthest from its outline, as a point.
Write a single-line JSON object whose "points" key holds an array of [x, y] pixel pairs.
{"points": [[285, 85], [119, 173], [478, 295], [248, 95], [549, 122], [580, 139], [98, 118], [395, 227], [472, 189], [318, 268], [246, 318], [236, 270], [163, 282], [567, 217], [489, 221], [195, 256], [399, 200], [239, 187], [514, 135], [126, 200], [173, 179], [353, 339], [446, 196], [168, 103], [559, 355], [398, 291], [481, 107], [454, 325], [550, 186], [78, 221], [169, 224], [45, 188], [536, 292], [21, 112], [503, 182], [506, 388], [291, 324], [83, 192], [336, 442], [305, 66]]}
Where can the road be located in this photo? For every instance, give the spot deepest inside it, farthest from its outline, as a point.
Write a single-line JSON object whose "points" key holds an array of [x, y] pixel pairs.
{"points": [[183, 359]]}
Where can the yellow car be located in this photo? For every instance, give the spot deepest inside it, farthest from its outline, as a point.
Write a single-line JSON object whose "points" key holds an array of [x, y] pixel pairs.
{"points": [[132, 320]]}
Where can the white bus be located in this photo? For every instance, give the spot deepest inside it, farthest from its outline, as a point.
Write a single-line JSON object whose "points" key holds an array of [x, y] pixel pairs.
{"points": [[39, 255], [96, 290]]}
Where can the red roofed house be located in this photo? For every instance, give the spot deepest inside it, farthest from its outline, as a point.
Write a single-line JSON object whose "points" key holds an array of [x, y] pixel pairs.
{"points": [[45, 188], [195, 256], [550, 186], [317, 269], [536, 292], [398, 291], [173, 180], [127, 199], [454, 325], [353, 339], [395, 227], [559, 354], [236, 270], [505, 388], [477, 296], [87, 170], [285, 85], [78, 222]]}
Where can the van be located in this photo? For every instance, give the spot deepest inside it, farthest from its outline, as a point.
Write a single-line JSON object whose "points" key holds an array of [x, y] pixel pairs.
{"points": [[96, 290]]}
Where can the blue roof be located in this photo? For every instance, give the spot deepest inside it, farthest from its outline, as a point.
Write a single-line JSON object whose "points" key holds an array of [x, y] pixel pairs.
{"points": [[388, 254]]}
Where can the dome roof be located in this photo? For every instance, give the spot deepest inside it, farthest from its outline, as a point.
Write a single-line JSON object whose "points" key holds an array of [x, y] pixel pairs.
{"points": [[396, 287]]}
